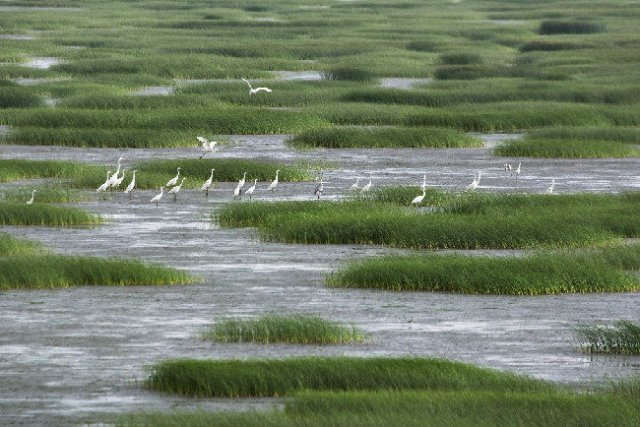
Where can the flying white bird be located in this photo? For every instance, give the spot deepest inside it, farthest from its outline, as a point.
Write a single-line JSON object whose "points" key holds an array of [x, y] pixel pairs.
{"points": [[474, 183], [131, 185], [274, 183], [207, 146], [176, 189], [550, 189], [251, 189], [33, 195], [207, 184], [253, 91], [157, 198], [173, 181]]}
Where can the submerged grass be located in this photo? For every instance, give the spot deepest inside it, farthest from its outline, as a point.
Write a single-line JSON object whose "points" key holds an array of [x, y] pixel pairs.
{"points": [[56, 271], [41, 214], [349, 137], [261, 378], [621, 338], [283, 329], [535, 274]]}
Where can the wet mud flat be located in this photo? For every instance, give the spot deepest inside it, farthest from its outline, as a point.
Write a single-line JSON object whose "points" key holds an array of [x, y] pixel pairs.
{"points": [[80, 355]]}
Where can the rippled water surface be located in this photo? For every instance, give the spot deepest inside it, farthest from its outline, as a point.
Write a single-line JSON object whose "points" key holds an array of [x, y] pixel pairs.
{"points": [[79, 355]]}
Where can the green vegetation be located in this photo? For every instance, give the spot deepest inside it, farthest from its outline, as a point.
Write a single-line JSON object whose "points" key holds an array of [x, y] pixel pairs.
{"points": [[568, 27], [15, 169], [264, 377], [621, 338], [463, 221], [10, 246], [40, 214], [283, 329], [350, 137], [534, 274], [55, 271], [44, 194]]}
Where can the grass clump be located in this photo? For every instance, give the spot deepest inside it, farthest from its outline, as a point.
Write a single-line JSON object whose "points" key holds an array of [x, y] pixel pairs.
{"points": [[15, 169], [540, 273], [621, 338], [44, 194], [537, 145], [56, 271], [264, 377], [385, 137], [10, 246], [40, 214], [283, 329]]}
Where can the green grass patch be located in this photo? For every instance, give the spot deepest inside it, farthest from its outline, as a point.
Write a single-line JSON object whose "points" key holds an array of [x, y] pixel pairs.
{"points": [[264, 377], [283, 329], [55, 271], [574, 148], [44, 194], [15, 169], [11, 246], [40, 214], [621, 338], [535, 274], [569, 27], [463, 221], [385, 137]]}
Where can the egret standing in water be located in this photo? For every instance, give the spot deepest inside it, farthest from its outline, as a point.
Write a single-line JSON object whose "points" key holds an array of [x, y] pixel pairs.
{"points": [[176, 189], [517, 171], [251, 189], [131, 185], [355, 185], [319, 189], [33, 196], [253, 91], [157, 198], [173, 181], [550, 189], [474, 183], [274, 183], [367, 187], [207, 146], [207, 184]]}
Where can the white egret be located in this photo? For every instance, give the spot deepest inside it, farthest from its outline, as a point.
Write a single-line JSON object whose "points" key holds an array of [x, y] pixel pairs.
{"points": [[116, 182], [242, 181], [173, 181], [237, 192], [367, 187], [474, 183], [274, 183], [251, 189], [105, 185], [207, 146], [157, 198], [507, 167], [115, 175], [176, 189], [418, 199], [424, 182], [517, 171], [33, 196], [354, 186], [319, 189], [207, 184], [253, 91], [132, 184], [550, 189]]}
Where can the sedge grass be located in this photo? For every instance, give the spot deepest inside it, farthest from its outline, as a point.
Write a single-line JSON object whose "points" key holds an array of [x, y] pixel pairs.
{"points": [[563, 148], [44, 194], [535, 274], [264, 377], [55, 271], [283, 329], [621, 338], [40, 214], [11, 246], [346, 137]]}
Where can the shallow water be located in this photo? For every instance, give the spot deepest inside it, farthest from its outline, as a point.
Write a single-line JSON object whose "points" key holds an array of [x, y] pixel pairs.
{"points": [[403, 83], [42, 63], [78, 355]]}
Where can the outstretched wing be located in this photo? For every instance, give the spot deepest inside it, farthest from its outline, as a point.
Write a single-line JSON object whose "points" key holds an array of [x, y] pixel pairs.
{"points": [[264, 89], [249, 84]]}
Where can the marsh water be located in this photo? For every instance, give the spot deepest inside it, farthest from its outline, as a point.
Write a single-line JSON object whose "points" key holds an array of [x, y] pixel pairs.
{"points": [[79, 355]]}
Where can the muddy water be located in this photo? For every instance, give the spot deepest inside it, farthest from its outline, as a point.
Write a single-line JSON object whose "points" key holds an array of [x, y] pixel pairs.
{"points": [[78, 355]]}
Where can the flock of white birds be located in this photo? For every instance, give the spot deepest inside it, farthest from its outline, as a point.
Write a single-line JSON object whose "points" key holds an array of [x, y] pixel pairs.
{"points": [[114, 180]]}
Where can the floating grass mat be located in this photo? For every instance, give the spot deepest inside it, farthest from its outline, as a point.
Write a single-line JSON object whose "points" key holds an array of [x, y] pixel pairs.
{"points": [[283, 329], [40, 214], [264, 377], [535, 274], [417, 408], [467, 221], [621, 338], [55, 271], [386, 137], [10, 246]]}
